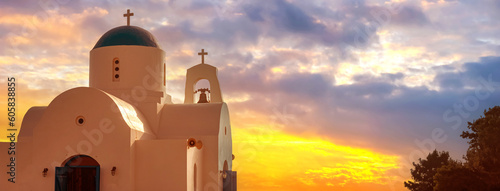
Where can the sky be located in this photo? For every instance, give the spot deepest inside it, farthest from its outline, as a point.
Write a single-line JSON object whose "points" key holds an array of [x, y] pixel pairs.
{"points": [[323, 95]]}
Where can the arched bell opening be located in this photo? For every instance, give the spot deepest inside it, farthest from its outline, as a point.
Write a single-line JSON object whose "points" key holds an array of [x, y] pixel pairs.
{"points": [[202, 91]]}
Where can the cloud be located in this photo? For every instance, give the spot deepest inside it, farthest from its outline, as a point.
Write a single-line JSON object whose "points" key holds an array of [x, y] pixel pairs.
{"points": [[485, 67], [275, 21], [293, 19], [254, 12], [449, 81], [471, 74], [410, 15], [219, 32], [384, 77], [374, 112]]}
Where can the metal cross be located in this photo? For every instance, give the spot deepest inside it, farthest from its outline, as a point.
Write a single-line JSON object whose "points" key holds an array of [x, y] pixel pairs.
{"points": [[128, 15], [203, 53]]}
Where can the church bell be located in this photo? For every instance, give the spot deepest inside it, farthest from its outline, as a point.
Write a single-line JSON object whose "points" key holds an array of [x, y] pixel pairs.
{"points": [[203, 98], [203, 95]]}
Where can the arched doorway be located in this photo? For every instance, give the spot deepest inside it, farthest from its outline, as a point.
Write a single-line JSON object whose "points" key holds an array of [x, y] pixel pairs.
{"points": [[78, 173]]}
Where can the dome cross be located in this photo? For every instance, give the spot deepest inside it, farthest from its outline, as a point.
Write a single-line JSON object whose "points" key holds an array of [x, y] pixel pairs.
{"points": [[128, 15]]}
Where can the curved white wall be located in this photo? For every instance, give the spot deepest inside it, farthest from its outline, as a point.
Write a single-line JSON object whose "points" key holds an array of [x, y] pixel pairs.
{"points": [[141, 71]]}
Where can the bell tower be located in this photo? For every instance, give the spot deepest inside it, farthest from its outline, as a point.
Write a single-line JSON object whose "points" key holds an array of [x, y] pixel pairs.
{"points": [[200, 72]]}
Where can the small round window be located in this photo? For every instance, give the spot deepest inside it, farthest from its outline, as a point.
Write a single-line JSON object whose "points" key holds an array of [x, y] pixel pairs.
{"points": [[80, 120]]}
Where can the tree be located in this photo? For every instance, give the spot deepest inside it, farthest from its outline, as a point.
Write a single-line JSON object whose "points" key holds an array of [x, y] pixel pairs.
{"points": [[423, 174], [456, 176], [480, 172], [483, 155]]}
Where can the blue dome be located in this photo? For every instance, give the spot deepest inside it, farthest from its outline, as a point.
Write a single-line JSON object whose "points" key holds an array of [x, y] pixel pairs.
{"points": [[127, 35]]}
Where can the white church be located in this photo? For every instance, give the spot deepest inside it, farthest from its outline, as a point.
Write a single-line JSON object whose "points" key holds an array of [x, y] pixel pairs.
{"points": [[123, 133]]}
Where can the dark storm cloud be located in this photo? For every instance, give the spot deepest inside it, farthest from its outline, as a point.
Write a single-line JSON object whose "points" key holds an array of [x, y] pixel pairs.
{"points": [[485, 67], [449, 80], [471, 75]]}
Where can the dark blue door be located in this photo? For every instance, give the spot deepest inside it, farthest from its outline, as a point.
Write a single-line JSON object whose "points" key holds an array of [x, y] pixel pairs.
{"points": [[77, 178]]}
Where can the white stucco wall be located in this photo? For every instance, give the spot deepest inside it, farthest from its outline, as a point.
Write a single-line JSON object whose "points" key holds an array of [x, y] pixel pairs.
{"points": [[141, 68], [142, 77], [106, 136], [168, 165], [208, 122]]}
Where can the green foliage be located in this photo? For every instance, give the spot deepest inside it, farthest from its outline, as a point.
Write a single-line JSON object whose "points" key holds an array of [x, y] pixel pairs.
{"points": [[484, 143], [483, 155], [457, 177], [481, 171], [423, 174]]}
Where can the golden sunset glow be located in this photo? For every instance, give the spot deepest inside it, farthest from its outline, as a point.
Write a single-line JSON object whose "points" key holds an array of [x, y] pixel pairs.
{"points": [[285, 160]]}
